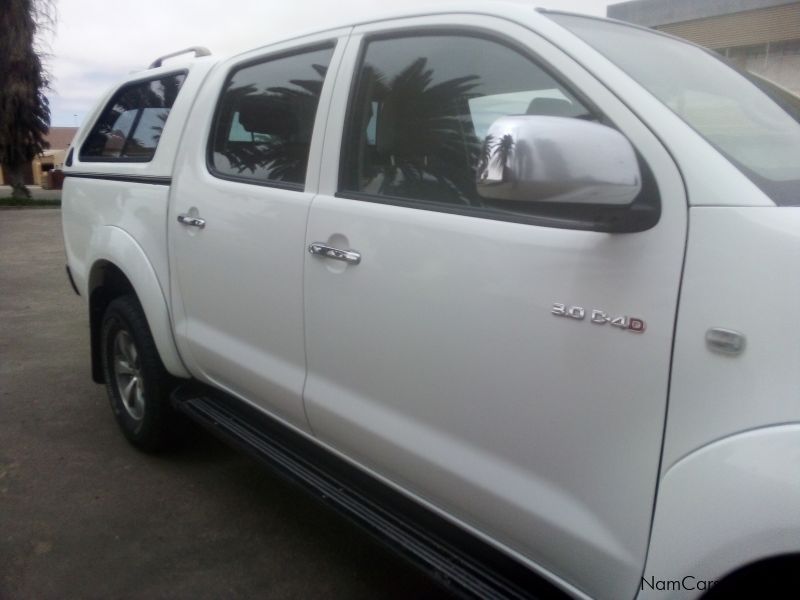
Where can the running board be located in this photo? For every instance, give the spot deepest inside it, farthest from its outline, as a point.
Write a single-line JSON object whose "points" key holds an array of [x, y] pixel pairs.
{"points": [[457, 560]]}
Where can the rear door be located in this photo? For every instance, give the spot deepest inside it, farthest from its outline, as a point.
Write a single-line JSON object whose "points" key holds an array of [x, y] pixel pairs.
{"points": [[243, 186], [434, 356]]}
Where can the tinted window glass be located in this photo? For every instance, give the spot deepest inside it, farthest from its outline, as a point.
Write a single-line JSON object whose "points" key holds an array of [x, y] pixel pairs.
{"points": [[755, 124], [265, 118], [130, 126], [423, 105]]}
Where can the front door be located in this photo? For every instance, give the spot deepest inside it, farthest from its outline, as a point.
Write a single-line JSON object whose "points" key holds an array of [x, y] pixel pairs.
{"points": [[237, 224], [436, 360]]}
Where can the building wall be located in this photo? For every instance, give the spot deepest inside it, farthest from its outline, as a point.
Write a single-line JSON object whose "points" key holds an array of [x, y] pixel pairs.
{"points": [[775, 24], [761, 36], [58, 140], [652, 13], [43, 163], [36, 173]]}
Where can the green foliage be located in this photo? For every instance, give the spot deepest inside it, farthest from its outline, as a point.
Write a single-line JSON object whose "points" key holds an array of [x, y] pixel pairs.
{"points": [[24, 109]]}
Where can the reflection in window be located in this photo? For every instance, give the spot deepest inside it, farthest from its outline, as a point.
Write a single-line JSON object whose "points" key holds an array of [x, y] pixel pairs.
{"points": [[131, 125], [485, 110], [148, 131], [751, 121], [423, 105], [264, 121]]}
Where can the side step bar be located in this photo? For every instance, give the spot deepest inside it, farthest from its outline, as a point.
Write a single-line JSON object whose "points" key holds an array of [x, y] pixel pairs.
{"points": [[462, 564]]}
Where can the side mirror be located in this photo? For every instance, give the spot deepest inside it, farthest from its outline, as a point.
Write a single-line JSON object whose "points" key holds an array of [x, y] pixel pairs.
{"points": [[537, 159]]}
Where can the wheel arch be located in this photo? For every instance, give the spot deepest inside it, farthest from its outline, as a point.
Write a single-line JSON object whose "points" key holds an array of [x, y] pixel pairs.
{"points": [[726, 507], [123, 268]]}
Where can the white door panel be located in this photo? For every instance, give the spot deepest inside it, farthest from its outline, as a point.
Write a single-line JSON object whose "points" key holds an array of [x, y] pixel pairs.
{"points": [[436, 361], [241, 289], [237, 283]]}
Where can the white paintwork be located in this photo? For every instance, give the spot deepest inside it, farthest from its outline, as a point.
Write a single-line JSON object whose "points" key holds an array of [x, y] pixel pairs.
{"points": [[437, 361], [123, 225], [731, 503], [238, 282], [115, 245], [742, 274], [436, 365], [138, 212]]}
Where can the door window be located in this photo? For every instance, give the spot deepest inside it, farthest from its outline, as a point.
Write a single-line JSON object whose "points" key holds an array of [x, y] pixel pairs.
{"points": [[265, 117], [422, 107]]}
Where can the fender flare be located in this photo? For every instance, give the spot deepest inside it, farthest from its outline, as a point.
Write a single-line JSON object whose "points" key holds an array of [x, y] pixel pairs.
{"points": [[121, 249], [726, 505]]}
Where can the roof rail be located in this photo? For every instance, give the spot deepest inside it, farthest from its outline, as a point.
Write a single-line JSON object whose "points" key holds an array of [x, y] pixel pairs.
{"points": [[198, 52]]}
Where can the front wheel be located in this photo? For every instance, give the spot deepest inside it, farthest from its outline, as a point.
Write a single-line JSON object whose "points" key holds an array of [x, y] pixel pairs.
{"points": [[138, 385]]}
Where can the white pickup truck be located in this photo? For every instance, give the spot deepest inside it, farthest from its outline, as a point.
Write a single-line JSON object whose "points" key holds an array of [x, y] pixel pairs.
{"points": [[517, 290]]}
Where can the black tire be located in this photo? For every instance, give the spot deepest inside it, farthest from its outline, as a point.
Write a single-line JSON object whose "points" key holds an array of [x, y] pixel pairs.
{"points": [[145, 415], [774, 578]]}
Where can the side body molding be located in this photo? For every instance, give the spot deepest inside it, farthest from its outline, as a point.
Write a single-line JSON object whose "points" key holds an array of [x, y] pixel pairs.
{"points": [[120, 249]]}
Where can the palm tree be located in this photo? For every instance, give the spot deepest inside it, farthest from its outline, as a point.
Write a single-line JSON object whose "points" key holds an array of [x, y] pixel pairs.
{"points": [[24, 109], [502, 152], [497, 152], [434, 121], [485, 157]]}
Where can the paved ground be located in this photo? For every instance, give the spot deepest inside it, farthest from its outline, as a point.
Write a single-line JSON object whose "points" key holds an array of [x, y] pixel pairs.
{"points": [[84, 515], [37, 193]]}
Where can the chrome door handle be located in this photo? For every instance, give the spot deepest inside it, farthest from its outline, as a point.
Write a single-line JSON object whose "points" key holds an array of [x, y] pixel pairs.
{"points": [[191, 221], [349, 256]]}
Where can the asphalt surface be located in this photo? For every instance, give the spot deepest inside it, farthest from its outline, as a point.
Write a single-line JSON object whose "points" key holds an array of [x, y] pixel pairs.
{"points": [[85, 515]]}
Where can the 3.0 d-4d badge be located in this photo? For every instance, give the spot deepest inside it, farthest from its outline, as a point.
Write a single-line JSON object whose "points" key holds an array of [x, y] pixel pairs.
{"points": [[599, 317]]}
